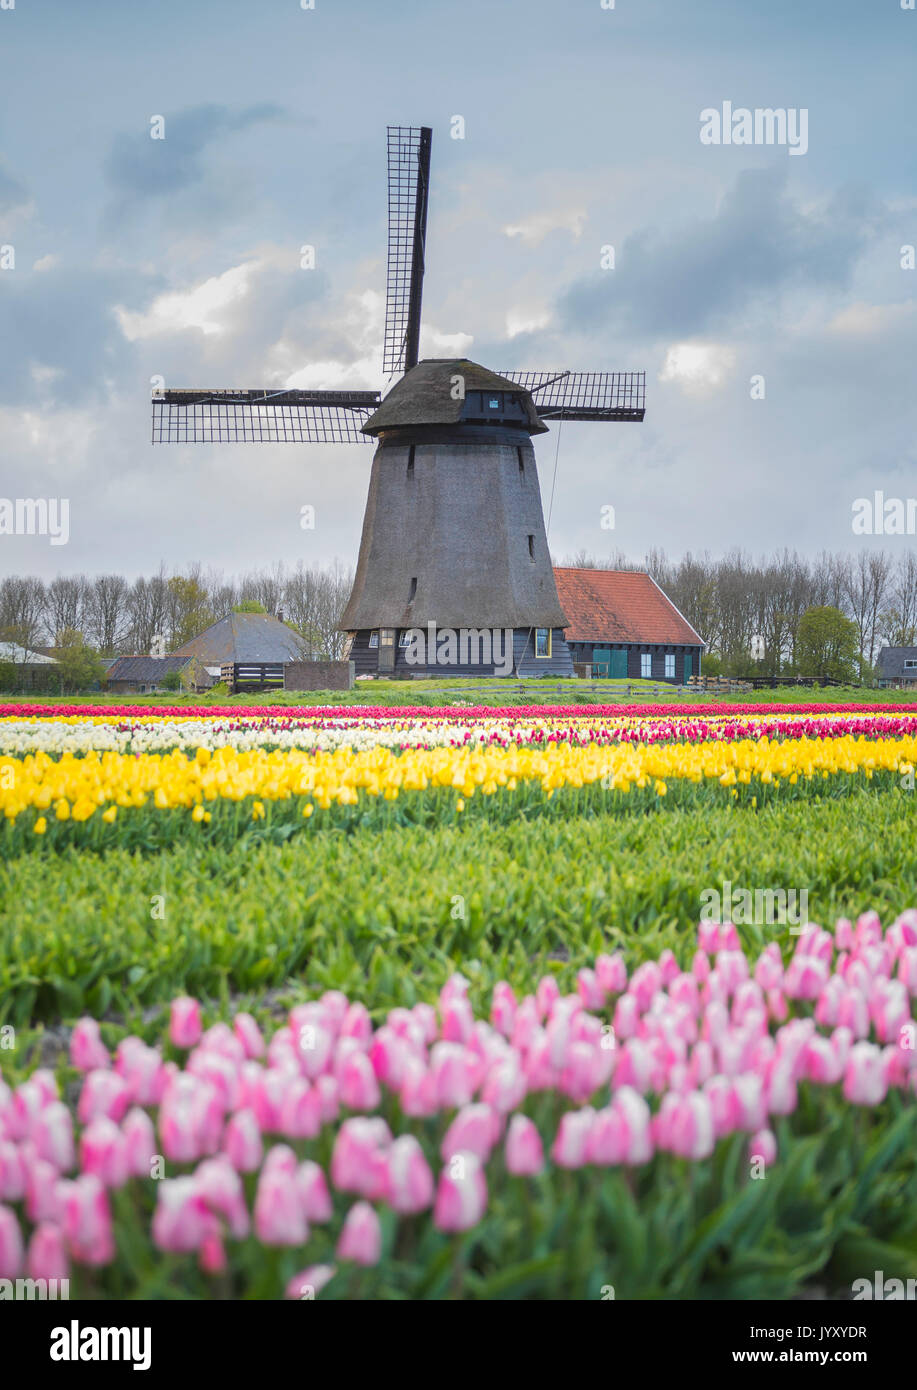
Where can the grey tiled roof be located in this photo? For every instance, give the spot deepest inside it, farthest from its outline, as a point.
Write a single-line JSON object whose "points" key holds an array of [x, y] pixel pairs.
{"points": [[147, 670], [244, 637], [891, 662]]}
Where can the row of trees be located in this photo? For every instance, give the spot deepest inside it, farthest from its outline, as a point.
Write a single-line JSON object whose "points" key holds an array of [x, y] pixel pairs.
{"points": [[749, 611], [119, 617]]}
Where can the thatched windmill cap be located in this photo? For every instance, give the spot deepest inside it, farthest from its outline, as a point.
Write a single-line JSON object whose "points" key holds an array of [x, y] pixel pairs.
{"points": [[426, 395]]}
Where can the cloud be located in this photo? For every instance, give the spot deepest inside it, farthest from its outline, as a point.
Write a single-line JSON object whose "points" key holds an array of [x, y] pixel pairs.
{"points": [[869, 320], [698, 368], [534, 229], [203, 307], [688, 279], [142, 167]]}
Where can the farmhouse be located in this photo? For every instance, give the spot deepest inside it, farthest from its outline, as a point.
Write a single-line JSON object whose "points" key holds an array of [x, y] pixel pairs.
{"points": [[143, 674], [620, 623], [249, 640], [897, 667]]}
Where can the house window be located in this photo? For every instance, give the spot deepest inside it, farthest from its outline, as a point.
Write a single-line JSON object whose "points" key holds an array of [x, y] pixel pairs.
{"points": [[670, 666], [387, 636], [646, 665], [373, 640], [405, 639], [542, 641], [910, 665]]}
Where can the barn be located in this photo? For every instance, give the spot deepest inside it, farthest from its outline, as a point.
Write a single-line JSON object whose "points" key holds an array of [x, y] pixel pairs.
{"points": [[621, 624]]}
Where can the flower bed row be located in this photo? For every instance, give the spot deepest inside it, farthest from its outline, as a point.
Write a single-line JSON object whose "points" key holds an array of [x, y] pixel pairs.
{"points": [[343, 1145], [115, 734]]}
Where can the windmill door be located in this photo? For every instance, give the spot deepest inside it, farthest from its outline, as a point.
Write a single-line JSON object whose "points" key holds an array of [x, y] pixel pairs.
{"points": [[386, 649]]}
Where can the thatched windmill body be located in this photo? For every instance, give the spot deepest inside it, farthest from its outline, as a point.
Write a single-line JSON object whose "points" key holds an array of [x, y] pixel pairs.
{"points": [[453, 533]]}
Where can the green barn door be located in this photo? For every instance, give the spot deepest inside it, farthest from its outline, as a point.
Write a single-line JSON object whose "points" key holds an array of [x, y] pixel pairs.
{"points": [[601, 661], [689, 666], [619, 664]]}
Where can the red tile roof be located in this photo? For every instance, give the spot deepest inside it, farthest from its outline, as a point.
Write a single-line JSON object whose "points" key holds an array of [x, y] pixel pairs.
{"points": [[619, 606]]}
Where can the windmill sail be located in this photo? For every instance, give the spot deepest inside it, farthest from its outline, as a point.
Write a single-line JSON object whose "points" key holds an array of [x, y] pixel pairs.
{"points": [[585, 395], [408, 193], [262, 416]]}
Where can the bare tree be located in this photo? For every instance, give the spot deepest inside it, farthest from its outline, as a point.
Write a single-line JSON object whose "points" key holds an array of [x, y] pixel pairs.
{"points": [[65, 604], [106, 612]]}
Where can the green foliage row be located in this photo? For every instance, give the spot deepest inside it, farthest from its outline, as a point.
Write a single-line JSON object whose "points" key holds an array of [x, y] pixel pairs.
{"points": [[387, 915]]}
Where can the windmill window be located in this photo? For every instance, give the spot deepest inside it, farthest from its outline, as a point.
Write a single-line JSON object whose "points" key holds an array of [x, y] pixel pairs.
{"points": [[542, 642], [413, 591], [521, 457], [411, 461], [373, 640], [532, 549], [494, 402]]}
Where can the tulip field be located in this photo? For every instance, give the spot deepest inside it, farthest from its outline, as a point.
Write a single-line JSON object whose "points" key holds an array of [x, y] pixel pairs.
{"points": [[421, 1003]]}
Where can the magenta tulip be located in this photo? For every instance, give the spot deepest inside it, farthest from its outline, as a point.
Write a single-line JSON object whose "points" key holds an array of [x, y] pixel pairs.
{"points": [[461, 1194], [361, 1236], [185, 1022], [524, 1152]]}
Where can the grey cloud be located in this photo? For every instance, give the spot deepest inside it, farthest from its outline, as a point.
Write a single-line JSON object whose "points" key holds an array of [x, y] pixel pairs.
{"points": [[687, 279], [142, 167]]}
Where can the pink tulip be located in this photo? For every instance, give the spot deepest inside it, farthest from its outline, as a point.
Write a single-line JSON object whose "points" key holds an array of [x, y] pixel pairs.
{"points": [[242, 1141], [450, 1068], [503, 1008], [475, 1129], [221, 1188], [52, 1134], [358, 1160], [361, 1236], [313, 1193], [546, 995], [612, 973], [182, 1220], [763, 1146], [461, 1194], [139, 1142], [569, 1148], [864, 1079], [87, 1050], [358, 1088], [143, 1071], [280, 1159], [211, 1256], [409, 1188], [301, 1110], [103, 1093], [41, 1179], [10, 1245], [86, 1219], [523, 1152], [103, 1151], [636, 1115], [185, 1022], [249, 1035], [46, 1257], [279, 1218], [590, 989], [309, 1282]]}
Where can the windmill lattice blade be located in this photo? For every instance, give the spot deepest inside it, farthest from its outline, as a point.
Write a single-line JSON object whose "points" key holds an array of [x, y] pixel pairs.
{"points": [[408, 187], [258, 416], [585, 395]]}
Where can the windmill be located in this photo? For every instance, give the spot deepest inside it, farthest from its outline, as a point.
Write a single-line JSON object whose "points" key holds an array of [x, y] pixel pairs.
{"points": [[453, 549]]}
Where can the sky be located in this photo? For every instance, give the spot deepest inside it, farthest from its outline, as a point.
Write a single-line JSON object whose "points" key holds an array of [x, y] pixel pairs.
{"points": [[180, 259]]}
